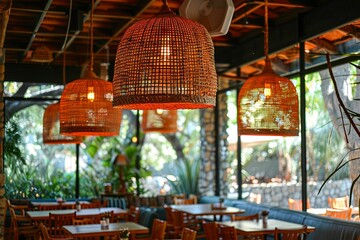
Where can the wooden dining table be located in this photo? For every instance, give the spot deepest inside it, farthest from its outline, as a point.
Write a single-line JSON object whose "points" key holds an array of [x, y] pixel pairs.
{"points": [[89, 212], [95, 230], [248, 227], [207, 210]]}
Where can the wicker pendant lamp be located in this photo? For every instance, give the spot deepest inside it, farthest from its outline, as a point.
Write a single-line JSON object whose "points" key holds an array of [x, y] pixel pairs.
{"points": [[86, 104], [162, 121], [51, 127], [165, 62], [267, 103]]}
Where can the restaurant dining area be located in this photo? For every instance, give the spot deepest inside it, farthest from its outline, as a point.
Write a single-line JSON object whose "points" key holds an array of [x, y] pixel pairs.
{"points": [[179, 119]]}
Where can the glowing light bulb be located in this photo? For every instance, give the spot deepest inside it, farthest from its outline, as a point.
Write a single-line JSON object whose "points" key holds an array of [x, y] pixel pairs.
{"points": [[134, 139], [165, 48], [91, 94], [267, 90], [159, 111]]}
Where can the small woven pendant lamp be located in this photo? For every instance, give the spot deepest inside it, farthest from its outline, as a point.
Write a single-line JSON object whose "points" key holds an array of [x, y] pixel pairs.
{"points": [[86, 104], [268, 104], [165, 62], [162, 121], [51, 127]]}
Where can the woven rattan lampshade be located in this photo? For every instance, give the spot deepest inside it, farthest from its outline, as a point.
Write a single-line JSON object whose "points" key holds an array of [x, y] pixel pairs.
{"points": [[268, 104], [86, 108], [86, 104], [165, 62], [42, 54], [162, 121], [51, 127]]}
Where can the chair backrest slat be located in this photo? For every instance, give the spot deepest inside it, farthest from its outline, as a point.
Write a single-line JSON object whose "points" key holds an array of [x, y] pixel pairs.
{"points": [[227, 233], [57, 221], [290, 234], [188, 234], [211, 230]]}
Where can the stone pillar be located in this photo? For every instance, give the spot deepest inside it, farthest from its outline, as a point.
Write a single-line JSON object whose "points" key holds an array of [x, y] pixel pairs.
{"points": [[208, 147], [207, 139], [224, 152]]}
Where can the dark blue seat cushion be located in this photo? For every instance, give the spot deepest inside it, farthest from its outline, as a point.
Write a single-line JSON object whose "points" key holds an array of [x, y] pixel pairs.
{"points": [[287, 215], [147, 217], [332, 229]]}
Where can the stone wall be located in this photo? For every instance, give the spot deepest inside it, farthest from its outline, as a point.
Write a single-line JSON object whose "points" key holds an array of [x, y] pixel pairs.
{"points": [[208, 145], [277, 194]]}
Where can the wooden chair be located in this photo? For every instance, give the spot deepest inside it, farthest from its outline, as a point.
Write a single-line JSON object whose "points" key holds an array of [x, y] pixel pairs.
{"points": [[183, 201], [296, 204], [169, 220], [227, 233], [339, 213], [133, 214], [290, 234], [178, 223], [20, 210], [340, 202], [90, 205], [45, 234], [211, 230], [22, 227], [157, 231], [57, 221], [245, 217], [255, 197], [193, 196], [87, 220], [188, 234], [100, 202], [49, 207]]}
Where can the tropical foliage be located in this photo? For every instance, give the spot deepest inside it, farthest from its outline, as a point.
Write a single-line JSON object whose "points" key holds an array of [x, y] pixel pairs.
{"points": [[187, 177]]}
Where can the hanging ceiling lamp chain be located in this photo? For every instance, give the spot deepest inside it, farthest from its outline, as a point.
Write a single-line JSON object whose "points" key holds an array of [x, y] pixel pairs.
{"points": [[266, 34], [86, 103], [91, 37], [267, 103], [165, 62], [165, 8]]}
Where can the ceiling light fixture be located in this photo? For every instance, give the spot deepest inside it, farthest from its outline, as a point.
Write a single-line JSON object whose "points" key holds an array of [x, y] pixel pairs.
{"points": [[51, 127], [268, 104], [165, 62], [86, 103]]}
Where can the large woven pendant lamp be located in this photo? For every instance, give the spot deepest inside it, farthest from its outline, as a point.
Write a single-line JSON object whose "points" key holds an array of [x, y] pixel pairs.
{"points": [[162, 121], [165, 62], [51, 127], [268, 104], [86, 104]]}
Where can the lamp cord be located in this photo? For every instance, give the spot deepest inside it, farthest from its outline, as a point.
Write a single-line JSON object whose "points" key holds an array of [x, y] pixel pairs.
{"points": [[65, 41], [68, 26], [64, 68], [91, 36], [266, 37]]}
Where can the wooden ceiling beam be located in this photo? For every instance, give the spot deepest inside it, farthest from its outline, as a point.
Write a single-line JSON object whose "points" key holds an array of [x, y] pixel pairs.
{"points": [[77, 32], [36, 29], [324, 44], [285, 34], [141, 8], [19, 72], [352, 31]]}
